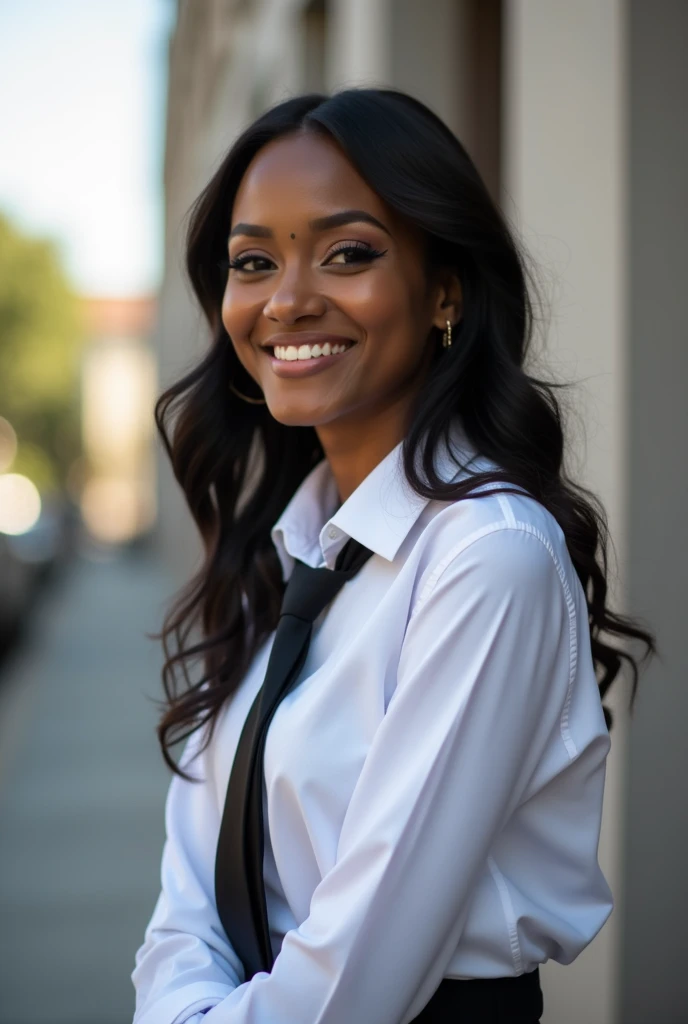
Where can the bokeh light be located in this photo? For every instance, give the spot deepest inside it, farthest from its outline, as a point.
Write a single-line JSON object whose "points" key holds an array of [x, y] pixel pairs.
{"points": [[20, 504]]}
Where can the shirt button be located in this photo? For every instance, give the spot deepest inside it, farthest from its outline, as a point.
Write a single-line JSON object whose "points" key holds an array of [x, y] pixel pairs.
{"points": [[332, 532]]}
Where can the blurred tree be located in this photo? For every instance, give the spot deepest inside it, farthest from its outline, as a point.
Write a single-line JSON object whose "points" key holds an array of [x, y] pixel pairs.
{"points": [[40, 338]]}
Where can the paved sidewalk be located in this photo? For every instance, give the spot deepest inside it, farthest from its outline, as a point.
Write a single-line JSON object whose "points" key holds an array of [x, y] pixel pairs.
{"points": [[82, 788]]}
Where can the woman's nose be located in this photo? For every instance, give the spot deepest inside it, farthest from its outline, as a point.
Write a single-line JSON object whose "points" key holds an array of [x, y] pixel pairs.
{"points": [[294, 296]]}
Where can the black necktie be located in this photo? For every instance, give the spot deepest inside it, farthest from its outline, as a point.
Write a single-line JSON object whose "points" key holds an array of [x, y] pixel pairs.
{"points": [[239, 886]]}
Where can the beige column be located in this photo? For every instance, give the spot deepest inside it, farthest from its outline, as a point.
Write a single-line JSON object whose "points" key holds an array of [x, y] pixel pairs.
{"points": [[358, 43], [564, 187]]}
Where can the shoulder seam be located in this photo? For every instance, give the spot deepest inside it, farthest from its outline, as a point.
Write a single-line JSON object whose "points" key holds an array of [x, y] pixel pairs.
{"points": [[507, 509], [511, 523], [453, 553]]}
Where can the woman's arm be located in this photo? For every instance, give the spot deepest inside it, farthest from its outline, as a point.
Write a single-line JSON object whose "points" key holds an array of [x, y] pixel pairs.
{"points": [[483, 679], [186, 964]]}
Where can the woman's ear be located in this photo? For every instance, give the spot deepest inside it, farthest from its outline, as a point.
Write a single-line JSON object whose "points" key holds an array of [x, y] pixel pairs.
{"points": [[449, 301]]}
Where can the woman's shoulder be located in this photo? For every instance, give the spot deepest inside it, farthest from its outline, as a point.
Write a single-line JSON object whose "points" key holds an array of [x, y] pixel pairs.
{"points": [[497, 523]]}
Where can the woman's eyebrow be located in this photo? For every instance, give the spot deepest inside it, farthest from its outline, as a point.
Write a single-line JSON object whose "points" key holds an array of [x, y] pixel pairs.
{"points": [[333, 220], [255, 230], [336, 220]]}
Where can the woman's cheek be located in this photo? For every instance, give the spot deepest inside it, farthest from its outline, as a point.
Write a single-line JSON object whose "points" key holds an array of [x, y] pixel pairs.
{"points": [[238, 323], [382, 302], [365, 297]]}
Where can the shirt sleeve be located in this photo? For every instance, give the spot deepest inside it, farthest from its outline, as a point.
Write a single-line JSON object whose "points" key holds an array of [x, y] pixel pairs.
{"points": [[186, 964], [483, 676]]}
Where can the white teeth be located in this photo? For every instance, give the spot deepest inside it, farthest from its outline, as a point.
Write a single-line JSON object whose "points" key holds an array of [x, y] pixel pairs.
{"points": [[291, 352]]}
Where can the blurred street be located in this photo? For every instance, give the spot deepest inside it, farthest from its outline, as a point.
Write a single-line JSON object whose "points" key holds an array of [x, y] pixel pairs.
{"points": [[82, 788]]}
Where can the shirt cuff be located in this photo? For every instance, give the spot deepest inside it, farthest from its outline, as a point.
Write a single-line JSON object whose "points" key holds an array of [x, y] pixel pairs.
{"points": [[161, 1011], [195, 1013]]}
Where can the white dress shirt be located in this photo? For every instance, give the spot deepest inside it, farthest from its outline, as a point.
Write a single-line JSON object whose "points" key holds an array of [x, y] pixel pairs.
{"points": [[433, 787]]}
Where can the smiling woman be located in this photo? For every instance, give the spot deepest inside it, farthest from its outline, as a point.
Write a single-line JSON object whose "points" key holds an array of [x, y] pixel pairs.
{"points": [[388, 809], [338, 268]]}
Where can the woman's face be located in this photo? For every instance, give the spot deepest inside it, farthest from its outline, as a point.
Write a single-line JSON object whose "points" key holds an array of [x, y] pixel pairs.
{"points": [[327, 302]]}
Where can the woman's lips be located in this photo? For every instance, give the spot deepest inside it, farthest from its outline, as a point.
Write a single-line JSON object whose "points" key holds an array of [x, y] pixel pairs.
{"points": [[303, 367]]}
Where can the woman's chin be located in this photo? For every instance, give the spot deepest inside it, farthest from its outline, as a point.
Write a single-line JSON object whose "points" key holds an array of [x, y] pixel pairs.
{"points": [[298, 414]]}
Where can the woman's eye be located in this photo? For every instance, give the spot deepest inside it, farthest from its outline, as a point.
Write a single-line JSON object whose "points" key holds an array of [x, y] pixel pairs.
{"points": [[244, 263], [345, 255], [357, 252]]}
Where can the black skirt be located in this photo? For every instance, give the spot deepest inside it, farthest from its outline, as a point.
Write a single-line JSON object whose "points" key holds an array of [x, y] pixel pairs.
{"points": [[485, 1001]]}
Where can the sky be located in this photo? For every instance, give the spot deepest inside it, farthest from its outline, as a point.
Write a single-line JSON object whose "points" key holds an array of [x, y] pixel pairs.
{"points": [[82, 121]]}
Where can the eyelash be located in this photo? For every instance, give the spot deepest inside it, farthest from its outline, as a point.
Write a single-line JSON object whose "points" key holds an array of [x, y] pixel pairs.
{"points": [[367, 254]]}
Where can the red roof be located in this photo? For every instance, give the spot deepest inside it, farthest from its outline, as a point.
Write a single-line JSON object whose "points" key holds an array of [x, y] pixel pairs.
{"points": [[132, 317]]}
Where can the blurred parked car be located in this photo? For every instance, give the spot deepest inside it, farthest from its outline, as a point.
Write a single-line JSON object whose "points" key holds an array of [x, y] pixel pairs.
{"points": [[27, 560], [16, 584], [44, 545]]}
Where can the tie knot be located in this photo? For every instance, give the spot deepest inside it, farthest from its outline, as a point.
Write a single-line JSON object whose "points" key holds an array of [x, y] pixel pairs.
{"points": [[309, 591]]}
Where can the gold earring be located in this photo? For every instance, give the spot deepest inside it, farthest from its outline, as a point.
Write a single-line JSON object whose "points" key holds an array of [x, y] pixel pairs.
{"points": [[446, 337], [253, 401]]}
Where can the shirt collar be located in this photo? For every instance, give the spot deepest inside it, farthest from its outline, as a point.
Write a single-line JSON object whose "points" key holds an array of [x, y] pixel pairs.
{"points": [[379, 514]]}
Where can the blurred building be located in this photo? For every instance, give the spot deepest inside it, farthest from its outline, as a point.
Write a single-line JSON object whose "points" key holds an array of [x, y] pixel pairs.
{"points": [[116, 485], [574, 115]]}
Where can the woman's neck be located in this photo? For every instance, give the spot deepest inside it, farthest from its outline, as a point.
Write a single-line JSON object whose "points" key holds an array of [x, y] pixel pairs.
{"points": [[353, 449]]}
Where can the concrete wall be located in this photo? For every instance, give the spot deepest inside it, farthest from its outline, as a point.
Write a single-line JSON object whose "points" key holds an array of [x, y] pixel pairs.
{"points": [[654, 981], [564, 186]]}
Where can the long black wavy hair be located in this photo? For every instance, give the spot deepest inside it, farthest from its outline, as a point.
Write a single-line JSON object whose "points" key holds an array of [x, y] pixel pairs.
{"points": [[238, 467]]}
